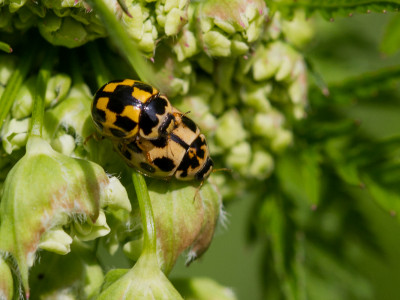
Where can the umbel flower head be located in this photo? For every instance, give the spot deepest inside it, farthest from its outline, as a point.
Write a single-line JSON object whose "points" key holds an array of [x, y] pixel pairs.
{"points": [[49, 199]]}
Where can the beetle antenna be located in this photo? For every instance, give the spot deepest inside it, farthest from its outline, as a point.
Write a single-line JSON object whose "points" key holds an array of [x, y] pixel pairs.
{"points": [[222, 169]]}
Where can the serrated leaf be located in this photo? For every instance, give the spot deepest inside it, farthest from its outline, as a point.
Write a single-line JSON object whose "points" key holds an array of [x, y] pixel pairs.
{"points": [[385, 198], [334, 277], [299, 174], [349, 173], [274, 224], [334, 8], [391, 39], [364, 86], [287, 249]]}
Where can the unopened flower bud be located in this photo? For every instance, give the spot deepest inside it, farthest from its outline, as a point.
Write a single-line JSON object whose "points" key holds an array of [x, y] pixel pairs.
{"points": [[59, 190], [255, 96], [299, 30], [57, 88], [267, 61], [174, 21], [202, 288], [56, 240], [134, 26], [282, 140], [22, 106], [64, 144], [186, 45], [230, 130], [172, 15], [73, 112], [15, 134], [239, 47], [191, 224], [262, 164], [144, 281], [239, 157], [216, 44], [268, 124]]}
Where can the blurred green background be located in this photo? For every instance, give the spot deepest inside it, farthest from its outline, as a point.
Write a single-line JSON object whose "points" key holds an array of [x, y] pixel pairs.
{"points": [[343, 48]]}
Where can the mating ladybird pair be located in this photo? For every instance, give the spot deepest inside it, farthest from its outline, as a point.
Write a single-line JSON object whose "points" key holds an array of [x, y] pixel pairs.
{"points": [[150, 134]]}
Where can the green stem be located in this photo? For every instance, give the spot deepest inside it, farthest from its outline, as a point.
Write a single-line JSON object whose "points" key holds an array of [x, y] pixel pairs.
{"points": [[76, 70], [15, 81], [40, 93], [100, 70], [123, 41], [146, 212]]}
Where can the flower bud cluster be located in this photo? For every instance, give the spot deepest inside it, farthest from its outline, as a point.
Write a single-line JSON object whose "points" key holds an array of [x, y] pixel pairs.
{"points": [[229, 64], [250, 79], [73, 23], [244, 103]]}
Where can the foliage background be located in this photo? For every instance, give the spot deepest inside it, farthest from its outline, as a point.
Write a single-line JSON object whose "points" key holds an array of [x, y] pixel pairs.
{"points": [[342, 49]]}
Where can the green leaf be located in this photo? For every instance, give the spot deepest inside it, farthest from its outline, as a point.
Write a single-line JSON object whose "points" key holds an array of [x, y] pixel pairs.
{"points": [[334, 278], [365, 86], [5, 47], [273, 221], [391, 39], [299, 174], [287, 250], [387, 199], [333, 8], [14, 83], [349, 173]]}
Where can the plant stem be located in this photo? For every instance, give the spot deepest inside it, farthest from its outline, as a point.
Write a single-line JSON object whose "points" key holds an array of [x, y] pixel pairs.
{"points": [[123, 41], [15, 81], [100, 70], [75, 68], [146, 212], [40, 93]]}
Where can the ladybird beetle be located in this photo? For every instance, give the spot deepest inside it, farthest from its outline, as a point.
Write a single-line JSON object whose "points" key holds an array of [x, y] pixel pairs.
{"points": [[122, 109], [182, 154]]}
